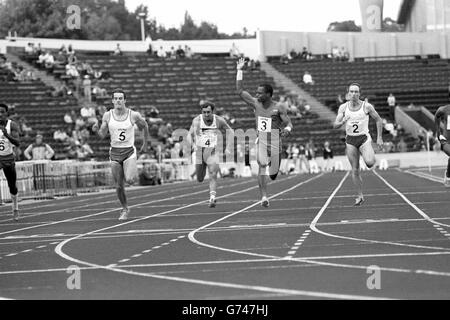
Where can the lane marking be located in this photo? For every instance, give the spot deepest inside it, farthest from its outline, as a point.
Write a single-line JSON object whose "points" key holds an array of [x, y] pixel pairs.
{"points": [[419, 211]]}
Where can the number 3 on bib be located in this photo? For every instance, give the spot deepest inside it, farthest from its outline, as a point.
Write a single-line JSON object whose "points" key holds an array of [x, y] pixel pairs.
{"points": [[264, 124]]}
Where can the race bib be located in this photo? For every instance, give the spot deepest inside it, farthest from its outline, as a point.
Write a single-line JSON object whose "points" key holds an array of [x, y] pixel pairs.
{"points": [[264, 124], [207, 141], [354, 127], [448, 122]]}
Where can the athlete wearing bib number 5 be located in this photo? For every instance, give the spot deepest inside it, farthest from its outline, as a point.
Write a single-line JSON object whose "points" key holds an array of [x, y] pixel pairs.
{"points": [[119, 122], [204, 132], [272, 123], [355, 115], [9, 137], [442, 115]]}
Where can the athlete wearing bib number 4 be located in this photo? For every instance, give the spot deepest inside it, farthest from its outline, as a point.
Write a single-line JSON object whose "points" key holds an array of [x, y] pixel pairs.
{"points": [[442, 115], [204, 132], [119, 122], [9, 137], [272, 123], [355, 115]]}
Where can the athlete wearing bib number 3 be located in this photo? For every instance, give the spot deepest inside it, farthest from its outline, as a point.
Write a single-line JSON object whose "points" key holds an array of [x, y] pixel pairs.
{"points": [[204, 133], [442, 115], [355, 115], [9, 137], [119, 122], [272, 123]]}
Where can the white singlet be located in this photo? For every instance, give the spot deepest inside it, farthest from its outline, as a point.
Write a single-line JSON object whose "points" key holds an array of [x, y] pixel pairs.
{"points": [[358, 122], [121, 132]]}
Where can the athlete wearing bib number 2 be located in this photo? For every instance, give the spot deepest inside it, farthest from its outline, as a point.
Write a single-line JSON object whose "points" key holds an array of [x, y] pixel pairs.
{"points": [[9, 137], [355, 115], [442, 115], [204, 133], [272, 123], [119, 122]]}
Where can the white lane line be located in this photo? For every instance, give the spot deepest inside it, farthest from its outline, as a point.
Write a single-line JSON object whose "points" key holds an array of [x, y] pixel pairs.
{"points": [[147, 251], [298, 243], [419, 211], [108, 211], [11, 255], [40, 247], [313, 227], [124, 260], [137, 255], [156, 247], [59, 251], [425, 176], [28, 250]]}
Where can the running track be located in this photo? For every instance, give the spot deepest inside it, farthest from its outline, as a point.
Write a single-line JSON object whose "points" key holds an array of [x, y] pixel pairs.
{"points": [[311, 243]]}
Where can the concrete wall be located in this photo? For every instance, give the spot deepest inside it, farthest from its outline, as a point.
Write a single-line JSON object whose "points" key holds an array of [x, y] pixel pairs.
{"points": [[359, 45], [247, 46]]}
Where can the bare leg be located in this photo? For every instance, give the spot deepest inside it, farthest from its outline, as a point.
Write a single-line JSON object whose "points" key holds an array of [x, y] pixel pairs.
{"points": [[353, 157], [119, 183]]}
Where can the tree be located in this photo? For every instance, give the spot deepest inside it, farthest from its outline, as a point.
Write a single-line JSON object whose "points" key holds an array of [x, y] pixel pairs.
{"points": [[344, 26]]}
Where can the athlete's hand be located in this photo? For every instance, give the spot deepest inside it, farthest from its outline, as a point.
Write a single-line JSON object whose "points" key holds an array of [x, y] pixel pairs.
{"points": [[95, 127], [240, 64], [143, 148], [380, 143], [285, 133]]}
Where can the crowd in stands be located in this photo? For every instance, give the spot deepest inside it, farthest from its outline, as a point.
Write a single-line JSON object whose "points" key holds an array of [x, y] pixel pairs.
{"points": [[296, 105]]}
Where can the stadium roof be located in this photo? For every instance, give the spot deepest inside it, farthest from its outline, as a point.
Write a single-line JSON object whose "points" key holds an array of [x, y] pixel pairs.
{"points": [[405, 11]]}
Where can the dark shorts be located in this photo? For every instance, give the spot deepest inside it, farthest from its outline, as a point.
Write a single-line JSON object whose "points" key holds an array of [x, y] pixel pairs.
{"points": [[356, 141], [7, 161], [119, 155]]}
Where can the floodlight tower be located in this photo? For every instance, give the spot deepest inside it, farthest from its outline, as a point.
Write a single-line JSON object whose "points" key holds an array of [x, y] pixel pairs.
{"points": [[142, 16]]}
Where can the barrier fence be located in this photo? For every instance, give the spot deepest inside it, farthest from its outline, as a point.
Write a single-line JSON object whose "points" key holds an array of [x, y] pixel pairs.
{"points": [[47, 179]]}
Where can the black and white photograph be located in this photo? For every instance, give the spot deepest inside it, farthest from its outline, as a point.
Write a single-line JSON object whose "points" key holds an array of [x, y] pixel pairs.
{"points": [[229, 157]]}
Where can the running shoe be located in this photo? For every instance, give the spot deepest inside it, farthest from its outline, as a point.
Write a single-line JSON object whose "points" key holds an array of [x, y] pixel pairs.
{"points": [[212, 202], [359, 201], [16, 215], [124, 214], [265, 202], [446, 180]]}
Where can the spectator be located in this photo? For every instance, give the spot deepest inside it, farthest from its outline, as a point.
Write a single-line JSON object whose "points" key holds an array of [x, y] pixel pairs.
{"points": [[402, 146], [150, 174], [391, 104], [188, 52], [234, 51], [180, 53], [173, 53], [327, 157], [335, 53], [307, 78], [39, 150], [70, 50], [38, 50], [87, 88], [83, 150], [118, 51], [284, 59], [150, 50], [49, 61], [345, 55], [72, 71], [29, 49], [305, 55], [154, 116], [88, 114], [60, 135], [24, 127], [161, 53]]}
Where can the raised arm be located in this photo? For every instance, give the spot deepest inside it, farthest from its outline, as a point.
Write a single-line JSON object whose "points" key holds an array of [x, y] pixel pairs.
{"points": [[239, 86], [340, 118], [374, 114], [142, 125]]}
